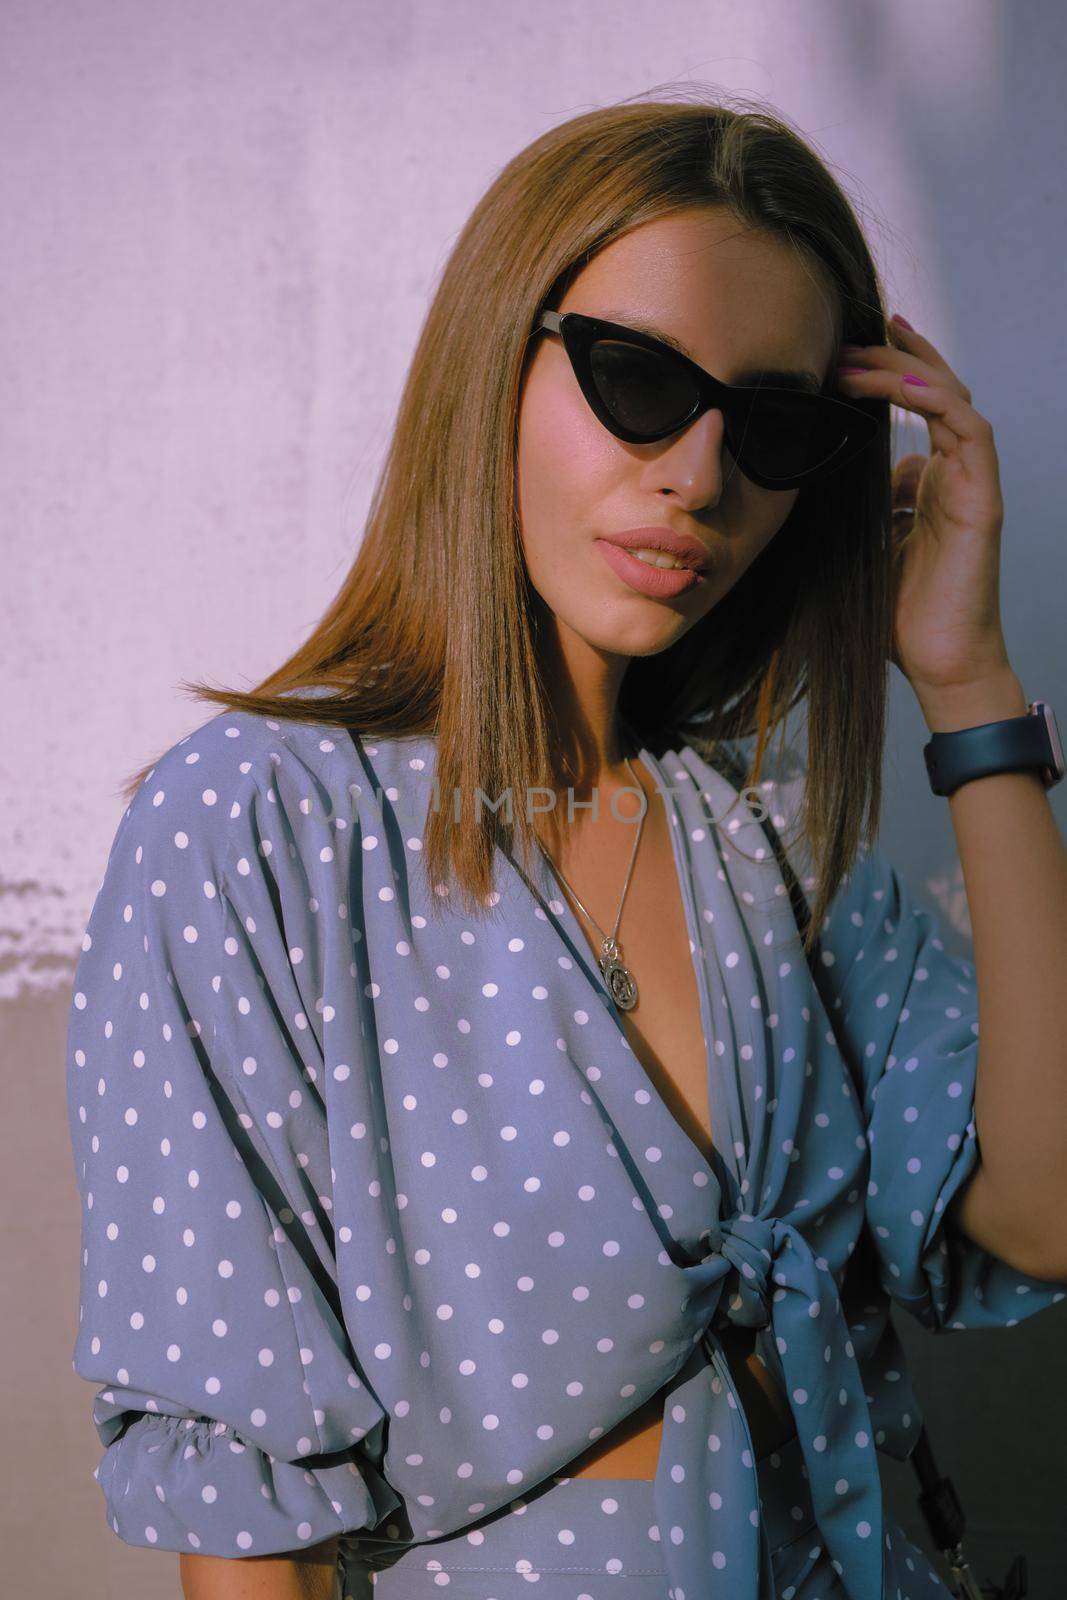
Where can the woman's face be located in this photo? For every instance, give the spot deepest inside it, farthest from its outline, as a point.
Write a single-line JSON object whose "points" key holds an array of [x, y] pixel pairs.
{"points": [[736, 301]]}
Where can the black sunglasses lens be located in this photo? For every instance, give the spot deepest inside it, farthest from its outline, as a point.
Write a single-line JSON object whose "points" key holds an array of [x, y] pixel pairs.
{"points": [[644, 392], [779, 434], [783, 435]]}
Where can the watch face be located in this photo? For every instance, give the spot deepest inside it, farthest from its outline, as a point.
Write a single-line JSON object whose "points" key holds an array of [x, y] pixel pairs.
{"points": [[1043, 708]]}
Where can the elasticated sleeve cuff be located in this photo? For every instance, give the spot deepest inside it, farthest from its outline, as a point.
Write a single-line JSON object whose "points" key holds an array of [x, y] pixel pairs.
{"points": [[190, 1484]]}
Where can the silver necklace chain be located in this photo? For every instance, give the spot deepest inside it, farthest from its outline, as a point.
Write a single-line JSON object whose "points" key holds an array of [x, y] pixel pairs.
{"points": [[619, 979]]}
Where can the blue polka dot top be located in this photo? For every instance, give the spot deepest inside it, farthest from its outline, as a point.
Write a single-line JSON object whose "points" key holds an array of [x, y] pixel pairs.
{"points": [[383, 1222]]}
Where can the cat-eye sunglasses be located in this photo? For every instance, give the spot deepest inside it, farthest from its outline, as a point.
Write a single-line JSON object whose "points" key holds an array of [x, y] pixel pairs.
{"points": [[643, 390]]}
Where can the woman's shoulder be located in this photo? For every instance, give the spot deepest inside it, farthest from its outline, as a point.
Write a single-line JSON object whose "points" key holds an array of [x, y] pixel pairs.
{"points": [[216, 789], [776, 795], [225, 755], [782, 772], [201, 791]]}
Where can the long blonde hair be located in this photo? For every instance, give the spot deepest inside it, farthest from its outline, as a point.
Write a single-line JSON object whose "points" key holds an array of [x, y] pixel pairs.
{"points": [[435, 627]]}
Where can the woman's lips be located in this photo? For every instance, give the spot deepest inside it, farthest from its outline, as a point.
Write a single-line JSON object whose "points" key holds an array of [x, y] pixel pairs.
{"points": [[663, 583]]}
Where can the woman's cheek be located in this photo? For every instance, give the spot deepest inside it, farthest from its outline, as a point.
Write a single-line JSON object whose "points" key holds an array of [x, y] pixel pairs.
{"points": [[572, 450], [562, 469]]}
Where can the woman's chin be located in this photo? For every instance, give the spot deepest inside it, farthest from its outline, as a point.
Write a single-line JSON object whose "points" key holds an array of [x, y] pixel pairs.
{"points": [[625, 631]]}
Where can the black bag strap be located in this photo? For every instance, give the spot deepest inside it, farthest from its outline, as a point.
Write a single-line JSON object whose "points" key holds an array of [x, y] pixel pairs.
{"points": [[938, 1500]]}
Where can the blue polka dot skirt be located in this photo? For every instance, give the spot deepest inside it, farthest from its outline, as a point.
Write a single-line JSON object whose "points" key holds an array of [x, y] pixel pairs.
{"points": [[597, 1539]]}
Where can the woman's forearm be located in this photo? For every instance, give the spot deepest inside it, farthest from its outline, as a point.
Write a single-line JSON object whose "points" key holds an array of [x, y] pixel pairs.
{"points": [[298, 1575], [1015, 872]]}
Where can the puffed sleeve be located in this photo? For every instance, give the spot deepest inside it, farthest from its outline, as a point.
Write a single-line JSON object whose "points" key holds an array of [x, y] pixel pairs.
{"points": [[235, 1417], [905, 1012]]}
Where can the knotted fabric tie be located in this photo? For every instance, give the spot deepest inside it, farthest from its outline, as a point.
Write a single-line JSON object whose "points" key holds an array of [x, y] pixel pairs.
{"points": [[761, 1273]]}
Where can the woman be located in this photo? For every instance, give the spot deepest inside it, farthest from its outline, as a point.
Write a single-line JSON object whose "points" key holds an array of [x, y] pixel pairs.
{"points": [[482, 1196]]}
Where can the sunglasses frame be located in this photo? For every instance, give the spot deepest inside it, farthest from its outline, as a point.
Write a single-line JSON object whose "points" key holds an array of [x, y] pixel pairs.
{"points": [[580, 332]]}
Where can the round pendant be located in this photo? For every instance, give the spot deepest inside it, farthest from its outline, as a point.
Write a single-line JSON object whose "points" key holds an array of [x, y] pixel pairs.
{"points": [[619, 979], [623, 988]]}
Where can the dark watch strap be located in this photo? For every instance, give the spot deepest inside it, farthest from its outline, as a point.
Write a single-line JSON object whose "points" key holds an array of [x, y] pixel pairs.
{"points": [[1015, 744]]}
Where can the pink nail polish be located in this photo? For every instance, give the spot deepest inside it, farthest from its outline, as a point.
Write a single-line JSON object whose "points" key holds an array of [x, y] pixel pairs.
{"points": [[902, 322], [909, 377], [845, 371]]}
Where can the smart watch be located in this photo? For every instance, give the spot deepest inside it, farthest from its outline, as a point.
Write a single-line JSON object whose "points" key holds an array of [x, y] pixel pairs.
{"points": [[1015, 744]]}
